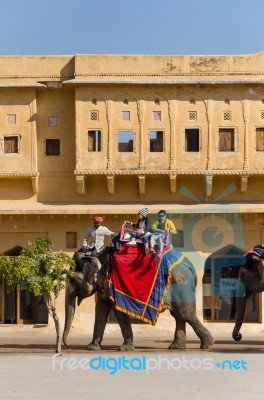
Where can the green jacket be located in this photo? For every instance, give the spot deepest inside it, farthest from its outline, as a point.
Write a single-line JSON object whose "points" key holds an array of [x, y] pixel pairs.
{"points": [[168, 225]]}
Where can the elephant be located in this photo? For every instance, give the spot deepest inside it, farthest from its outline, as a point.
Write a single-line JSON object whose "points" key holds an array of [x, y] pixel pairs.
{"points": [[180, 301], [250, 282]]}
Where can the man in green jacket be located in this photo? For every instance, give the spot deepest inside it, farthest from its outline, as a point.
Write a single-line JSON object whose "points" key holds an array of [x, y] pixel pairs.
{"points": [[159, 230]]}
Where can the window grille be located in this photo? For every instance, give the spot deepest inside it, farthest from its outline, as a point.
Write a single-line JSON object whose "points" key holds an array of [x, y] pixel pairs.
{"points": [[53, 121], [11, 119], [125, 115], [192, 116], [157, 115], [227, 116], [94, 116]]}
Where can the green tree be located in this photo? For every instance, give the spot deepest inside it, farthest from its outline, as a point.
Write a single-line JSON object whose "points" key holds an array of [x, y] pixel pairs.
{"points": [[42, 272]]}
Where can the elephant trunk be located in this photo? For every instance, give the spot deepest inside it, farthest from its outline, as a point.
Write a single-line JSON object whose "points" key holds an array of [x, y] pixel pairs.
{"points": [[70, 300], [240, 311]]}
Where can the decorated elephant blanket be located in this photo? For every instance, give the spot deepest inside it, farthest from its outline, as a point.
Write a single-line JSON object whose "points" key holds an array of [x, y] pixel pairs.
{"points": [[139, 282]]}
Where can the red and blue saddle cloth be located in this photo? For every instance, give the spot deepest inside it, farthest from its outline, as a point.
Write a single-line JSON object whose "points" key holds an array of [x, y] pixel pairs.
{"points": [[256, 251], [139, 281]]}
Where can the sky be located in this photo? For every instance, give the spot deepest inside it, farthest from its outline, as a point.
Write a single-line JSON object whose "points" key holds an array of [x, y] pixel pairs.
{"points": [[67, 27]]}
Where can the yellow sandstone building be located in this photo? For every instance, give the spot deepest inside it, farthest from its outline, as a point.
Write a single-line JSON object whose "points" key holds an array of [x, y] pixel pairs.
{"points": [[106, 135]]}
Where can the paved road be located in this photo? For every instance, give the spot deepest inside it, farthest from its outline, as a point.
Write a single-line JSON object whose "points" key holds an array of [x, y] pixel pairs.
{"points": [[29, 370]]}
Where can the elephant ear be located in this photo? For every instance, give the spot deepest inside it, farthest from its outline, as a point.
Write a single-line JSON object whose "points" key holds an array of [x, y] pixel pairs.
{"points": [[90, 270]]}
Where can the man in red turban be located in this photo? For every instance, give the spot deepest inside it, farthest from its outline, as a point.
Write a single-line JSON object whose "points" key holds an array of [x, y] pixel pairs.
{"points": [[95, 237], [98, 220]]}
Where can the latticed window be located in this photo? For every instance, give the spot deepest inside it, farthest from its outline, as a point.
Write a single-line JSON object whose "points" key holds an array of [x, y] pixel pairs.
{"points": [[260, 139], [227, 116], [125, 115], [192, 115], [52, 147], [94, 140], [53, 121], [226, 139], [94, 115], [11, 144], [156, 115], [261, 114], [11, 119]]}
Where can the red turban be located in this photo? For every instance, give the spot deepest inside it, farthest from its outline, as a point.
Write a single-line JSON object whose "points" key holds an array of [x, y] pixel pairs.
{"points": [[98, 219]]}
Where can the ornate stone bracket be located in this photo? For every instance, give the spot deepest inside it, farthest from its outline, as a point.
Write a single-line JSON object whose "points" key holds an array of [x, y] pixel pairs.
{"points": [[111, 184], [34, 182], [173, 183], [244, 183], [80, 182], [208, 184], [142, 184]]}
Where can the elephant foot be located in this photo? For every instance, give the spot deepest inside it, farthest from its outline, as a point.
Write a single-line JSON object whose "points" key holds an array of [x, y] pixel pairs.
{"points": [[127, 346], [177, 346], [207, 343], [95, 345]]}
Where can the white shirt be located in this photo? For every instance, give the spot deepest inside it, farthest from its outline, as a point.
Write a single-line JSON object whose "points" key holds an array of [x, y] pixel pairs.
{"points": [[95, 237]]}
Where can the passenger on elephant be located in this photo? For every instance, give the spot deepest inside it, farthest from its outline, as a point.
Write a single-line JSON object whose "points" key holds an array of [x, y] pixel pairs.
{"points": [[142, 231], [159, 230], [95, 236]]}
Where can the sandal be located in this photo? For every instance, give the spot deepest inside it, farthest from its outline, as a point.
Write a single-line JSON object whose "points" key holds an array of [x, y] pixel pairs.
{"points": [[152, 251]]}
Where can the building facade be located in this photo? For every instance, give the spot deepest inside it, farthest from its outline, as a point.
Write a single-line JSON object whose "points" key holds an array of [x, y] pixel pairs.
{"points": [[85, 135]]}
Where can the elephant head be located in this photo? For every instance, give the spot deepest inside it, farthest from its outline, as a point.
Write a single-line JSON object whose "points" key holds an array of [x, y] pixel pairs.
{"points": [[250, 282], [83, 284]]}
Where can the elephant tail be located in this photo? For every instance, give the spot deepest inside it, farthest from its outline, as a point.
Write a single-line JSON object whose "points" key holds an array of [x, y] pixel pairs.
{"points": [[70, 300]]}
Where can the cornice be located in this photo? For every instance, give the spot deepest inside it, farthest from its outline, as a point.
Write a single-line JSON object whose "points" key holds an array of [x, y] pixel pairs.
{"points": [[37, 77], [132, 172], [169, 172], [189, 74], [18, 174], [55, 174], [165, 75]]}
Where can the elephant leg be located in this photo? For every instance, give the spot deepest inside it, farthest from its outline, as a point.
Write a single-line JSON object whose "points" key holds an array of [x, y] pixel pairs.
{"points": [[126, 329], [102, 311], [70, 300], [179, 341], [207, 340], [187, 313]]}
